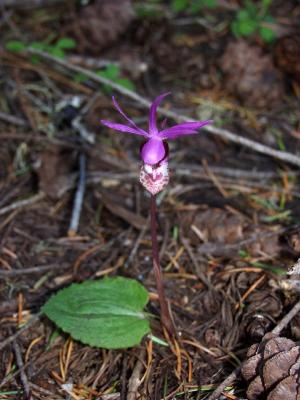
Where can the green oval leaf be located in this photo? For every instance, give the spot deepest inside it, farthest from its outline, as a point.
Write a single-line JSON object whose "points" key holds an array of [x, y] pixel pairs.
{"points": [[126, 83], [179, 5], [15, 45], [56, 52], [106, 313], [246, 27], [267, 34], [66, 43]]}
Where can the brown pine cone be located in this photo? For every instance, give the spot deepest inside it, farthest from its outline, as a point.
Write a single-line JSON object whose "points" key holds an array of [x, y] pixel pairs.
{"points": [[272, 369], [287, 55], [216, 226], [263, 307], [251, 75], [100, 24]]}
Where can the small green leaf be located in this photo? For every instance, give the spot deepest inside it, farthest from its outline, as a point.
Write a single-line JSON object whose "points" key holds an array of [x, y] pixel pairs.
{"points": [[56, 52], [235, 29], [251, 8], [148, 10], [242, 14], [111, 71], [281, 216], [35, 59], [15, 45], [209, 3], [157, 340], [106, 313], [265, 5], [107, 89], [246, 27], [126, 83], [80, 77], [38, 46], [199, 5], [276, 270], [66, 43], [243, 253], [267, 34], [179, 5]]}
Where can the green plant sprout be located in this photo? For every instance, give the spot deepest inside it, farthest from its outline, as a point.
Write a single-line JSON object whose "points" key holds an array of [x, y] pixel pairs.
{"points": [[275, 209], [58, 49], [191, 6], [157, 8], [111, 72], [253, 19]]}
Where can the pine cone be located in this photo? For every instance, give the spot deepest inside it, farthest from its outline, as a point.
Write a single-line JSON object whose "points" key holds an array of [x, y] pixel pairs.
{"points": [[263, 306], [215, 225], [101, 23], [251, 75], [273, 369], [287, 55], [218, 226]]}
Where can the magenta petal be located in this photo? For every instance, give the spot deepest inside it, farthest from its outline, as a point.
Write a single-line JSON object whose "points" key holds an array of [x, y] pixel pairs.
{"points": [[187, 128], [152, 115], [153, 151], [117, 106], [122, 128]]}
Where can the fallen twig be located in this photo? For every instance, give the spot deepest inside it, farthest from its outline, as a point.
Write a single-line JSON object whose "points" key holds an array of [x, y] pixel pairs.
{"points": [[227, 382], [135, 379], [32, 270], [23, 203], [11, 119], [286, 319], [20, 364], [29, 324], [77, 207], [223, 133]]}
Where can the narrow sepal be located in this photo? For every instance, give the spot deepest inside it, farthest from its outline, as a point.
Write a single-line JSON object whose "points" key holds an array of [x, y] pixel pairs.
{"points": [[122, 128], [132, 123], [152, 115], [187, 128]]}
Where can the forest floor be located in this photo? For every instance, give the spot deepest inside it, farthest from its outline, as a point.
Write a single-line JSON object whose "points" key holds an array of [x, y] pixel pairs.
{"points": [[228, 220]]}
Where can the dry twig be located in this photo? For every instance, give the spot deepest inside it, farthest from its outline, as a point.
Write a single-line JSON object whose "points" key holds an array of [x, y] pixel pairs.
{"points": [[77, 207], [136, 377], [11, 338], [11, 119], [22, 203], [286, 319], [20, 364], [33, 270]]}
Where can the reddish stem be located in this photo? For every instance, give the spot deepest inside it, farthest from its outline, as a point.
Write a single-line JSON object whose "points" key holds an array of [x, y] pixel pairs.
{"points": [[165, 313]]}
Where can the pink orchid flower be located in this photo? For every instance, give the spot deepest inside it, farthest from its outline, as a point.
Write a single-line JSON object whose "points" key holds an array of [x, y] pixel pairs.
{"points": [[154, 174]]}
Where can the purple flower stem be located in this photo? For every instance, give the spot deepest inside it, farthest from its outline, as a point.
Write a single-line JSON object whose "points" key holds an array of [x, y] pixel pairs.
{"points": [[165, 313]]}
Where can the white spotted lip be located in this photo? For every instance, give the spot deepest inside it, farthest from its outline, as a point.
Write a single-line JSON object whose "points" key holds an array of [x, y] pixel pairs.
{"points": [[154, 178]]}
